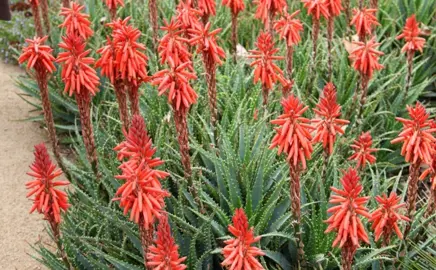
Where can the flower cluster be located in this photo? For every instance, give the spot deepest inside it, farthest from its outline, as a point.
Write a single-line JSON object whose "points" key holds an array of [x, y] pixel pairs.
{"points": [[335, 7], [172, 46], [38, 55], [48, 200], [364, 20], [187, 15], [267, 7], [289, 28], [207, 7], [363, 150], [235, 6], [113, 4], [411, 34], [76, 22], [317, 8], [239, 252], [328, 124], [206, 42], [365, 57]]}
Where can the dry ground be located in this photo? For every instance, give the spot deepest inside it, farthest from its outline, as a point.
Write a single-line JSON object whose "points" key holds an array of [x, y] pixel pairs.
{"points": [[17, 138]]}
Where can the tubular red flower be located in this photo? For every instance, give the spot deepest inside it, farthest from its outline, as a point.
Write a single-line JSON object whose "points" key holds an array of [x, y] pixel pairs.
{"points": [[411, 34], [289, 28], [266, 71], [172, 48], [267, 7], [317, 8], [187, 15], [141, 193], [131, 62], [164, 254], [335, 7], [239, 252], [38, 55], [363, 151], [206, 42], [175, 83], [107, 62], [328, 125], [364, 20], [207, 7], [345, 219], [386, 217], [77, 74], [365, 57], [76, 22], [47, 199], [293, 136], [416, 136], [113, 4], [138, 146], [235, 6]]}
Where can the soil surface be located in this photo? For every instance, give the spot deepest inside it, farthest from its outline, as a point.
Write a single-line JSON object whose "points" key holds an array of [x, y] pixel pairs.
{"points": [[17, 138]]}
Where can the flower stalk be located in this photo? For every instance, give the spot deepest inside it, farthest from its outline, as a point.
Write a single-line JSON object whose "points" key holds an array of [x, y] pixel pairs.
{"points": [[36, 18], [45, 15], [152, 8]]}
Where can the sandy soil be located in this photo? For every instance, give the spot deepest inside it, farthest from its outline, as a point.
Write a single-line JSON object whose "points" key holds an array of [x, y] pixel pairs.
{"points": [[17, 138]]}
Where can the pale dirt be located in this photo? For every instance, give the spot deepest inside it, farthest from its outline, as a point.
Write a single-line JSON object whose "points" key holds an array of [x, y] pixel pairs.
{"points": [[18, 229]]}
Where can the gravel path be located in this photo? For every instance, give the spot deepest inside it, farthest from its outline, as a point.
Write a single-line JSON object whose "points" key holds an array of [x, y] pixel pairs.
{"points": [[17, 138]]}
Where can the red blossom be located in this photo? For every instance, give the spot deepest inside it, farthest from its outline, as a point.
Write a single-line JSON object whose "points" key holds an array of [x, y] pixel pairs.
{"points": [[386, 217], [289, 28], [76, 22], [239, 252], [364, 20], [328, 124], [206, 42], [411, 34], [47, 199], [113, 4], [345, 218], [267, 7], [363, 150], [317, 8], [416, 136], [164, 254], [187, 15], [365, 57], [293, 136], [107, 62], [77, 74], [38, 55], [175, 83], [207, 7], [172, 47], [335, 7], [235, 6], [266, 71]]}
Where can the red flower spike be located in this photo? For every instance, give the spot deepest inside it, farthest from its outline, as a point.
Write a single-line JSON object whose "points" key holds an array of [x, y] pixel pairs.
{"points": [[293, 136], [317, 8], [34, 2], [175, 83], [328, 125], [141, 193], [363, 151], [138, 146], [172, 48], [365, 57], [107, 61], [289, 28], [206, 42], [335, 7], [235, 6], [411, 34], [364, 20], [238, 252], [130, 61], [266, 71], [267, 7], [187, 15], [345, 218], [416, 136], [76, 22], [77, 73], [47, 199], [207, 7], [113, 4], [385, 219], [431, 170], [38, 55], [164, 254], [118, 23]]}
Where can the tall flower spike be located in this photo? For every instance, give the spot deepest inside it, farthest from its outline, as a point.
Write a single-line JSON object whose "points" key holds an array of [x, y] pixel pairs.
{"points": [[411, 34], [335, 7], [385, 219], [235, 6], [239, 252], [363, 150], [207, 7], [77, 74], [317, 8], [364, 20], [293, 136], [289, 28], [76, 22], [365, 57], [164, 254], [187, 15], [345, 218], [267, 9], [36, 17], [265, 70], [112, 5], [328, 125], [38, 55], [48, 200], [172, 47]]}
